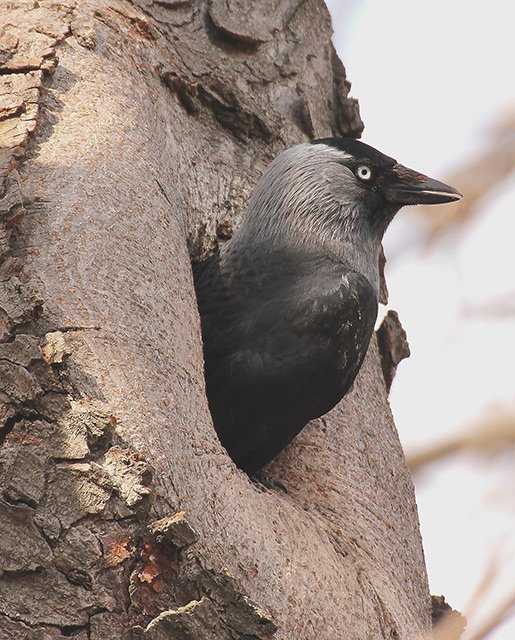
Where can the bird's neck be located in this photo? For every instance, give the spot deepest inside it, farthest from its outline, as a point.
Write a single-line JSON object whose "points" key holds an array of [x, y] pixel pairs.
{"points": [[363, 258], [361, 254]]}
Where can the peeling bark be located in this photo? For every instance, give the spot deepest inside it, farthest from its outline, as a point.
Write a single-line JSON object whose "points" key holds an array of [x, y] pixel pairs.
{"points": [[132, 135], [393, 346]]}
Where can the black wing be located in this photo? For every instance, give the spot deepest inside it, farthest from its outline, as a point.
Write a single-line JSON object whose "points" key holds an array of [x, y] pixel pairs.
{"points": [[279, 351]]}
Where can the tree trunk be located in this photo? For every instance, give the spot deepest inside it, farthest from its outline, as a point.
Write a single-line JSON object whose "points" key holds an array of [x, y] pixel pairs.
{"points": [[132, 135]]}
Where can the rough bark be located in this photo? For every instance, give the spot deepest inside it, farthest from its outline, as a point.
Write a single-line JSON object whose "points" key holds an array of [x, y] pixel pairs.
{"points": [[132, 135]]}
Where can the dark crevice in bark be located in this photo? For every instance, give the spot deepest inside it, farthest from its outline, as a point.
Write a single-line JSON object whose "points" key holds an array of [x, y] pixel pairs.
{"points": [[18, 501], [72, 630], [76, 328], [15, 70], [7, 427]]}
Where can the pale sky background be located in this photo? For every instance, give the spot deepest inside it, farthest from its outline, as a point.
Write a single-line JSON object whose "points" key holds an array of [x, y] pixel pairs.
{"points": [[431, 77]]}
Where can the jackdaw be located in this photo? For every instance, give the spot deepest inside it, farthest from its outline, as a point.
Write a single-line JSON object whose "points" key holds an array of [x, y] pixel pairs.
{"points": [[288, 305]]}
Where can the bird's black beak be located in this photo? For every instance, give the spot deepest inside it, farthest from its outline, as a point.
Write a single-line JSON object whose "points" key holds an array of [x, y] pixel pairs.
{"points": [[406, 186]]}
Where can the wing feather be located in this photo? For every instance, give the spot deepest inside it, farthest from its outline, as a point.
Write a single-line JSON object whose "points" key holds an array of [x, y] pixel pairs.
{"points": [[287, 356]]}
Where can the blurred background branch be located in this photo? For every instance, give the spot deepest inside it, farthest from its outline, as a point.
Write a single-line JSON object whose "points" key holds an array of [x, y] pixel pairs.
{"points": [[477, 178], [486, 437], [504, 610]]}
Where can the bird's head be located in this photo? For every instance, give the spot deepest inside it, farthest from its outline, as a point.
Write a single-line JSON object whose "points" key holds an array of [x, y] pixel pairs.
{"points": [[335, 195]]}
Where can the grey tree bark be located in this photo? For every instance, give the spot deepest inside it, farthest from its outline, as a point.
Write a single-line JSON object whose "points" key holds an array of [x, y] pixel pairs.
{"points": [[132, 135]]}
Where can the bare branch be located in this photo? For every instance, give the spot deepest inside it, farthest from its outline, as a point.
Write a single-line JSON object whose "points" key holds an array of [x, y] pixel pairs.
{"points": [[477, 178], [489, 436]]}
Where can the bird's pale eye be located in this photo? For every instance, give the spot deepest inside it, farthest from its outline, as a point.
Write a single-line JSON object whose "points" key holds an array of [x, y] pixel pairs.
{"points": [[364, 172]]}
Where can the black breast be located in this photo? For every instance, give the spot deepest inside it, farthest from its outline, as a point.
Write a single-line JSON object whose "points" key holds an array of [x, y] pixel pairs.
{"points": [[284, 338]]}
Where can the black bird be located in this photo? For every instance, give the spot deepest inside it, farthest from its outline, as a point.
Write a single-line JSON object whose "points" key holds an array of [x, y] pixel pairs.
{"points": [[288, 305]]}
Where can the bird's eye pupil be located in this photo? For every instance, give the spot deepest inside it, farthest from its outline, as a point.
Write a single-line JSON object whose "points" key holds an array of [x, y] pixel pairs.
{"points": [[364, 172]]}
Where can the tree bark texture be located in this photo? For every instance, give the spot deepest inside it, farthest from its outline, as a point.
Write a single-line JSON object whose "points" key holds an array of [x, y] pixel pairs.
{"points": [[132, 135]]}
